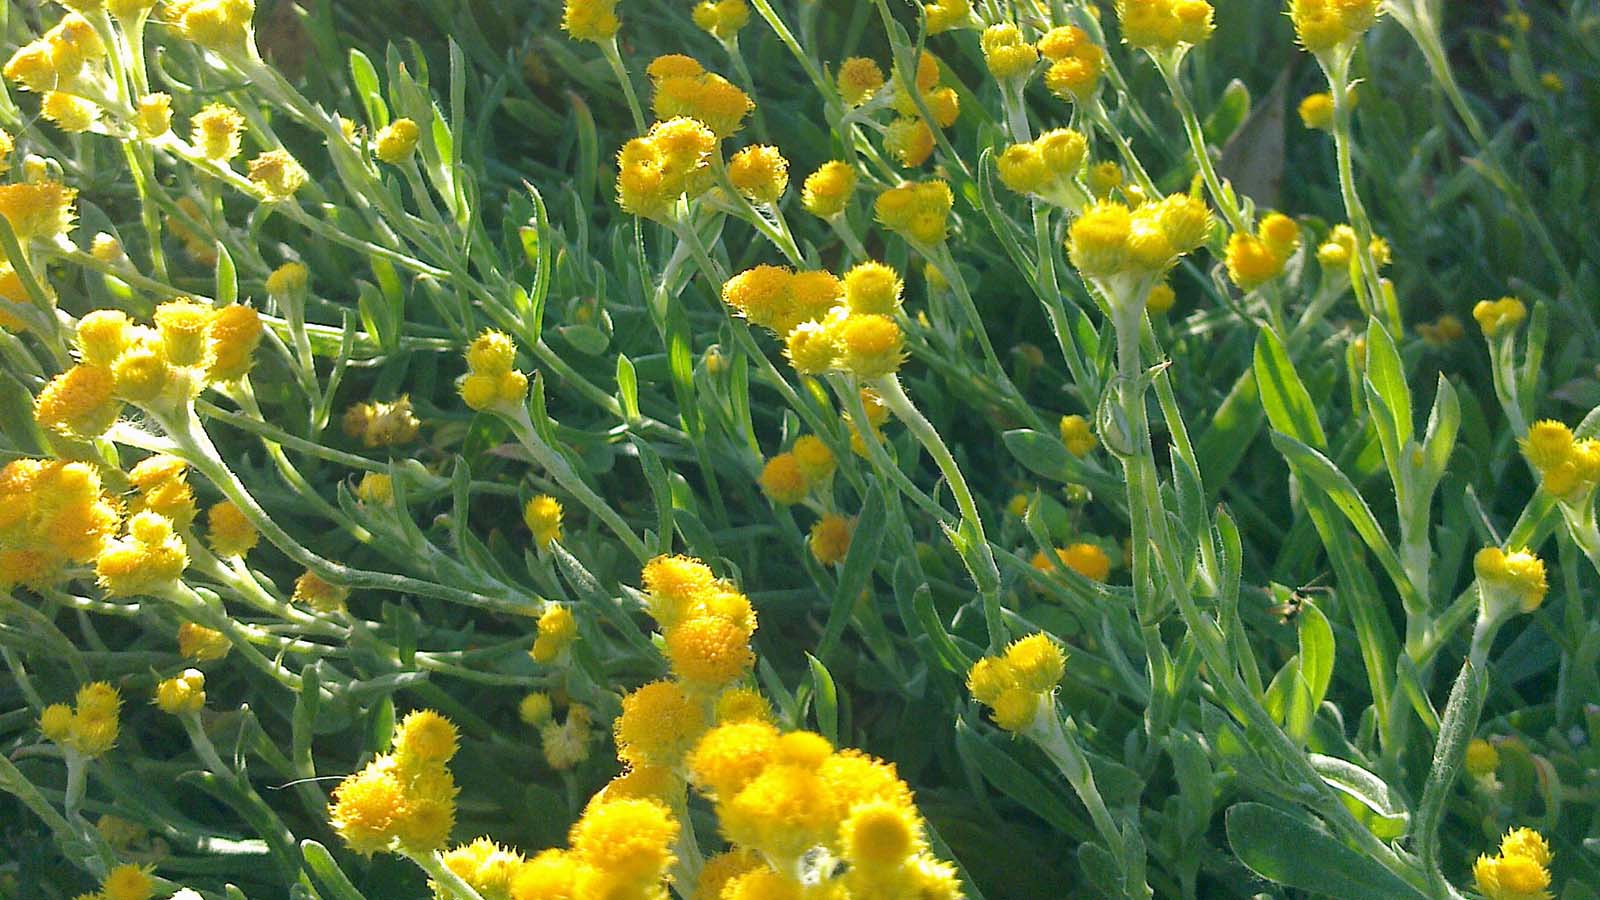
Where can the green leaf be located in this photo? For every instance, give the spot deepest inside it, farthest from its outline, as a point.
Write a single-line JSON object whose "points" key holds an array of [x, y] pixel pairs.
{"points": [[327, 872], [586, 339], [1283, 395], [1444, 423], [1316, 650], [1456, 728], [1017, 781], [365, 76], [1369, 798], [227, 277], [627, 387], [827, 699], [1228, 114], [1297, 851], [865, 542], [1386, 375]]}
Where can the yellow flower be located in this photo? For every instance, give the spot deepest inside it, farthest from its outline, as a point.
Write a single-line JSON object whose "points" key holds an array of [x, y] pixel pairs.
{"points": [[709, 651], [814, 457], [288, 279], [424, 736], [918, 211], [232, 334], [69, 112], [318, 594], [1331, 25], [79, 402], [1527, 843], [721, 19], [376, 488], [484, 865], [1498, 317], [366, 806], [277, 175], [55, 722], [1036, 663], [659, 724], [1097, 242], [1316, 111], [707, 97], [1005, 52], [1482, 758], [216, 132], [858, 79], [128, 882], [1251, 263], [202, 644], [396, 141], [150, 558], [535, 708], [558, 628], [667, 163], [760, 173], [215, 24], [628, 838], [783, 481], [185, 693], [491, 382], [723, 868], [1509, 581], [1076, 62], [183, 326], [551, 875], [1162, 25], [742, 704], [945, 15], [880, 835], [38, 209], [830, 539], [828, 190], [591, 20], [1077, 435], [909, 140], [1161, 299], [32, 67], [870, 346], [228, 531], [1511, 878], [542, 515]]}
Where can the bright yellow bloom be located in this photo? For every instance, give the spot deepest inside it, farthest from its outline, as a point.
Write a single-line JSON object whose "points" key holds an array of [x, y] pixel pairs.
{"points": [[1510, 581], [859, 78], [1005, 52], [1482, 758], [742, 704], [721, 19], [1527, 843], [38, 209], [1161, 299], [288, 279], [659, 725], [828, 190], [232, 335], [535, 708], [484, 865], [376, 488], [1316, 111], [185, 693], [1329, 25], [128, 882], [1036, 662], [79, 402], [783, 481], [558, 628], [709, 651], [658, 168], [277, 175], [1497, 317], [723, 868], [216, 132], [814, 457], [1076, 62], [69, 112], [707, 97], [202, 644], [320, 595], [760, 173], [629, 839], [396, 141], [880, 835], [228, 531], [221, 25], [542, 515], [918, 211], [1511, 878], [909, 140], [591, 20], [1077, 435], [149, 559], [945, 15], [1162, 25], [424, 736]]}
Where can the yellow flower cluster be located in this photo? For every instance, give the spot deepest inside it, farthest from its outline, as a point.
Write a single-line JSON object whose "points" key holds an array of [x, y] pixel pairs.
{"points": [[202, 644], [376, 488], [908, 138], [1016, 684], [1255, 259], [858, 79], [1046, 167], [38, 209], [782, 797], [380, 424], [1077, 434], [620, 847], [542, 515], [1521, 871], [192, 345], [228, 531], [1076, 62], [1569, 469], [829, 539], [406, 797], [919, 211], [706, 623], [1086, 559], [1338, 251], [682, 88], [182, 694], [558, 628], [1332, 25], [397, 141], [148, 559], [1006, 53], [1509, 581], [1109, 239], [1316, 111], [214, 24], [163, 485], [277, 175], [591, 20], [1447, 329], [311, 590], [90, 725], [52, 514], [759, 173], [1163, 25], [63, 65], [722, 19], [828, 190], [1498, 317], [492, 382], [669, 162], [946, 15]]}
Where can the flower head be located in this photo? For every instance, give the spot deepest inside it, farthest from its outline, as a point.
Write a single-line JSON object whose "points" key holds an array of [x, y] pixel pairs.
{"points": [[918, 211], [828, 190], [542, 515], [591, 20]]}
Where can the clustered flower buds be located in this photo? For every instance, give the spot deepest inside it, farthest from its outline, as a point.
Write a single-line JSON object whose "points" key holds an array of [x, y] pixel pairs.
{"points": [[405, 798], [1047, 167], [1020, 684], [88, 727], [1255, 259], [492, 382], [1520, 871]]}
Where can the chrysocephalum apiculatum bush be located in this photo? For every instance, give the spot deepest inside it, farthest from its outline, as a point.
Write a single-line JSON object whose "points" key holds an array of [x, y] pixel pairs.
{"points": [[742, 450]]}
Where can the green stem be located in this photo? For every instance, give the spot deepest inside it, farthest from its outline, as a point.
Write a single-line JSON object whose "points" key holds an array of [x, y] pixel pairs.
{"points": [[1168, 67], [614, 59]]}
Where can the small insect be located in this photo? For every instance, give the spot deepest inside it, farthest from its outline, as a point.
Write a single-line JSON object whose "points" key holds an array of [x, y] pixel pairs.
{"points": [[1291, 601]]}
